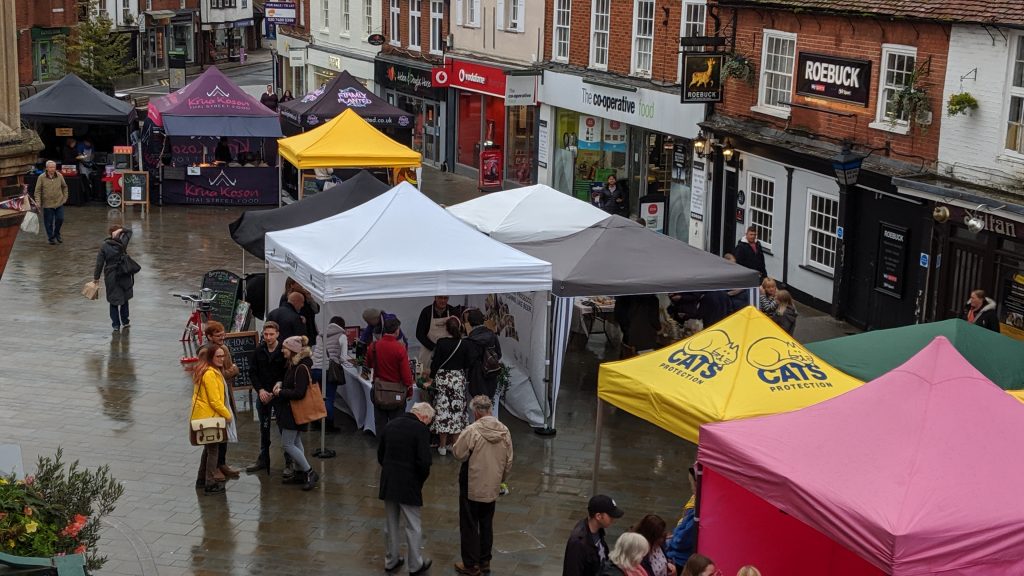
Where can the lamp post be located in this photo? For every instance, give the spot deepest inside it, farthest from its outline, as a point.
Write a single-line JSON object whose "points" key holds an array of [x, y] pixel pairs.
{"points": [[847, 168]]}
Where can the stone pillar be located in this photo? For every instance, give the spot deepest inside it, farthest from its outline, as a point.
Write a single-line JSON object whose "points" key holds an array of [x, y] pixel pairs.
{"points": [[10, 116]]}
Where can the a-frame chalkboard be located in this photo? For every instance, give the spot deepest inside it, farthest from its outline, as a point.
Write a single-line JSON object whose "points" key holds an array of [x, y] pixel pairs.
{"points": [[227, 287]]}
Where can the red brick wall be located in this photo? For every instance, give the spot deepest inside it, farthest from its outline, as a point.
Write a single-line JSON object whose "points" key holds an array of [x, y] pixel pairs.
{"points": [[424, 50], [667, 15], [33, 13], [852, 38]]}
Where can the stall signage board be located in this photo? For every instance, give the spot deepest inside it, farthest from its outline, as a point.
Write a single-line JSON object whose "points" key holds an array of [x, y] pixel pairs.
{"points": [[243, 347], [702, 78], [136, 187], [893, 242], [842, 79], [226, 286], [224, 187], [279, 12], [1011, 312]]}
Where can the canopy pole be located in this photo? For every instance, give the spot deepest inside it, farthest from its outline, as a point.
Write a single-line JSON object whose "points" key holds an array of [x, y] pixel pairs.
{"points": [[549, 408], [323, 453], [280, 184], [599, 421]]}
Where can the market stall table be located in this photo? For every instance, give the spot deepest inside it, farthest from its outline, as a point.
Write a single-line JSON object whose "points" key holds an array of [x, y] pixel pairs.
{"points": [[357, 393], [587, 312]]}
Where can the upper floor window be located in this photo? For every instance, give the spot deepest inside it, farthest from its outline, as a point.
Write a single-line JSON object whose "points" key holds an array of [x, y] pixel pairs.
{"points": [[414, 23], [126, 11], [643, 37], [898, 64], [325, 14], [600, 19], [692, 24], [346, 17], [1015, 124], [396, 22], [778, 56], [436, 26], [515, 19], [560, 39], [367, 17]]}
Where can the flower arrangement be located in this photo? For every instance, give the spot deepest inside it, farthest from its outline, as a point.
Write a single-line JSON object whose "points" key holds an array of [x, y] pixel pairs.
{"points": [[961, 103], [56, 511], [504, 379], [740, 67]]}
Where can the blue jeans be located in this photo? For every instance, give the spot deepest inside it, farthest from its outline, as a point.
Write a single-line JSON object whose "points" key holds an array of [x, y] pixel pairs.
{"points": [[118, 315], [53, 219]]}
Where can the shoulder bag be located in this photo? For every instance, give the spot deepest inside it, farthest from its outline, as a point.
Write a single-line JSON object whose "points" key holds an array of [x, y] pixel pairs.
{"points": [[204, 431], [311, 406], [386, 395], [128, 266]]}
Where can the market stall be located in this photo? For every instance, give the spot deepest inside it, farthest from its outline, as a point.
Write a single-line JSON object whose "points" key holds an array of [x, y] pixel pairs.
{"points": [[66, 116], [347, 141], [344, 92], [374, 255], [213, 144], [871, 354], [916, 472]]}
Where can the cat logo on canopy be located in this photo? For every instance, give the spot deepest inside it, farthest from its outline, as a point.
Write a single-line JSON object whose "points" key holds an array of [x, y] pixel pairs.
{"points": [[702, 356], [785, 365]]}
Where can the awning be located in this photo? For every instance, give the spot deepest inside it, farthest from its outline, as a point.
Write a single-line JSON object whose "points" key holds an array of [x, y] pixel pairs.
{"points": [[161, 14]]}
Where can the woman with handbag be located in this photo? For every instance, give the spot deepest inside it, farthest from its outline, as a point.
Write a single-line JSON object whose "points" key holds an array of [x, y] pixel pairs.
{"points": [[298, 381], [211, 399], [118, 271], [335, 341], [448, 383]]}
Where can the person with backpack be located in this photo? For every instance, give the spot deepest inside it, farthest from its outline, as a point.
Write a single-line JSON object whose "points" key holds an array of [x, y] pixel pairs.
{"points": [[484, 357], [118, 272]]}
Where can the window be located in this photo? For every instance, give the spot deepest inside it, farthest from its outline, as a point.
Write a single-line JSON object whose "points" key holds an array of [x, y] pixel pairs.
{"points": [[414, 23], [149, 4], [346, 17], [600, 19], [643, 37], [514, 15], [762, 207], [898, 64], [822, 220], [692, 25], [367, 17], [560, 48], [181, 5], [126, 11], [1015, 123], [777, 59], [437, 26], [396, 22], [472, 13], [325, 14]]}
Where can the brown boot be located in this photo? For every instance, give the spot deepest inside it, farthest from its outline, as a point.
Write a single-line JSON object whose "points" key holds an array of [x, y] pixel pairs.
{"points": [[467, 570], [219, 477], [229, 472]]}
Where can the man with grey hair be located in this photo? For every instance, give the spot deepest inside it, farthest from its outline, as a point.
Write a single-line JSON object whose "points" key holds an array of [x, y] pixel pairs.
{"points": [[51, 193], [403, 453], [485, 449]]}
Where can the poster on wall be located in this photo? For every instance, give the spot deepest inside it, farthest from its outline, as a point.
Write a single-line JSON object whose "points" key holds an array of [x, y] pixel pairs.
{"points": [[614, 136], [892, 259], [697, 191], [653, 209], [589, 133], [1011, 309], [542, 143], [491, 169]]}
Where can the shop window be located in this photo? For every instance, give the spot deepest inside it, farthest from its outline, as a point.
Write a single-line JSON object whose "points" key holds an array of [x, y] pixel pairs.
{"points": [[762, 206], [415, 7], [519, 159], [437, 27], [560, 49], [1015, 123], [692, 26], [46, 58], [396, 22], [600, 18], [643, 37], [470, 113], [778, 56], [367, 17], [898, 64], [346, 17], [822, 221]]}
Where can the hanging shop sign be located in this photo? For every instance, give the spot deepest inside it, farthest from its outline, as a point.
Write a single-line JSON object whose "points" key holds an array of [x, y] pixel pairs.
{"points": [[834, 78], [702, 78], [375, 40], [279, 12], [476, 78], [521, 90], [407, 79], [892, 259]]}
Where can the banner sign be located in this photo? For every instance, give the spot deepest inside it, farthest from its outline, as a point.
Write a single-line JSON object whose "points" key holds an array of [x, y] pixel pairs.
{"points": [[224, 187], [702, 77], [892, 259], [833, 78], [280, 12]]}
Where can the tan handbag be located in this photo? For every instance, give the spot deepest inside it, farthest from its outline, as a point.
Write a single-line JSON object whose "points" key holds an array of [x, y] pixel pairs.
{"points": [[91, 290], [311, 406], [202, 431]]}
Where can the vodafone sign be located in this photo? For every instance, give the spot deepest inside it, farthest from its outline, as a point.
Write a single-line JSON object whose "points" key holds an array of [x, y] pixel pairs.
{"points": [[439, 77], [476, 77]]}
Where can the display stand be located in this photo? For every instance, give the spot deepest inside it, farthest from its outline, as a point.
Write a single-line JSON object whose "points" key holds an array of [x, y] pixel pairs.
{"points": [[135, 190]]}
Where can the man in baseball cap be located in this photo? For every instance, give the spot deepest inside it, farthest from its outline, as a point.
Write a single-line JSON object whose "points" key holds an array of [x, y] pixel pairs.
{"points": [[586, 552]]}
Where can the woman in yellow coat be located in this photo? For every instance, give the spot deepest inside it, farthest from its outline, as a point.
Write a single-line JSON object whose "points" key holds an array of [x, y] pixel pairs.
{"points": [[210, 400]]}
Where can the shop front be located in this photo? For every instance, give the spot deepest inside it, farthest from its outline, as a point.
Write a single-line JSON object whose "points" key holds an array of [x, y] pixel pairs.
{"points": [[325, 63], [408, 86], [47, 52], [589, 131], [493, 141], [291, 55], [227, 41], [181, 39]]}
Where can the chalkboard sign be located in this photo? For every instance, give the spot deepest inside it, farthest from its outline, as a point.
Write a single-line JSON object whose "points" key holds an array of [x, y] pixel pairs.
{"points": [[309, 186], [226, 288], [892, 259], [242, 346], [135, 187]]}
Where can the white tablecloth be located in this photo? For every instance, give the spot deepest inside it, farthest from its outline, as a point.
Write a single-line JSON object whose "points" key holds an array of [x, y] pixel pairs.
{"points": [[355, 398]]}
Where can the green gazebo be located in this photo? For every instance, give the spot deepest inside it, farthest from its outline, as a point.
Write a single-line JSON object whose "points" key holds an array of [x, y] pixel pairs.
{"points": [[871, 354]]}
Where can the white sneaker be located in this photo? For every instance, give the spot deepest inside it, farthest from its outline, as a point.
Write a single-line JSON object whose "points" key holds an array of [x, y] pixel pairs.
{"points": [[442, 451]]}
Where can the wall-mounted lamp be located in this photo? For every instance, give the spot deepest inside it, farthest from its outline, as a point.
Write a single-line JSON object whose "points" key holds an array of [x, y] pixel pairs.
{"points": [[728, 151], [701, 145]]}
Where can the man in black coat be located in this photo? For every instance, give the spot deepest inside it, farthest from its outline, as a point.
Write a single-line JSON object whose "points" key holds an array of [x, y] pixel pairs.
{"points": [[749, 252], [403, 453], [586, 552], [268, 368], [482, 341], [288, 318]]}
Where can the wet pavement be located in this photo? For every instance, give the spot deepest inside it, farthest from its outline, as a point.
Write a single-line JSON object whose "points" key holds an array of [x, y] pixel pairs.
{"points": [[122, 400]]}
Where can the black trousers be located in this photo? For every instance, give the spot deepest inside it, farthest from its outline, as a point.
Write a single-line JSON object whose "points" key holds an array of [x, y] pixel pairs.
{"points": [[382, 417], [265, 412], [476, 525]]}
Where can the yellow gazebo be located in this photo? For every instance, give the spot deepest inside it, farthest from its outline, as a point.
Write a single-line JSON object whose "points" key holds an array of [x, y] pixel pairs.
{"points": [[346, 141]]}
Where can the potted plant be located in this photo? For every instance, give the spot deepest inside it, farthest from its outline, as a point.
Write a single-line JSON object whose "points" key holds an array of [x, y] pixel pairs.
{"points": [[912, 102], [503, 381], [740, 67], [961, 103]]}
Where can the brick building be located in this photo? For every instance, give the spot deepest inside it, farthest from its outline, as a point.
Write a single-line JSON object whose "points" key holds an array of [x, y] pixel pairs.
{"points": [[290, 46], [38, 25], [170, 28], [820, 80], [611, 104]]}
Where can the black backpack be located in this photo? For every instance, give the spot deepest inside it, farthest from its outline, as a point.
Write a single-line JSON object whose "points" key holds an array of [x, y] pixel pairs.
{"points": [[492, 362]]}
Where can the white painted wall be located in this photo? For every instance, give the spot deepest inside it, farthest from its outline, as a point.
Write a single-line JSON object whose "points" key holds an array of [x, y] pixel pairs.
{"points": [[332, 33], [241, 11], [971, 147], [492, 37]]}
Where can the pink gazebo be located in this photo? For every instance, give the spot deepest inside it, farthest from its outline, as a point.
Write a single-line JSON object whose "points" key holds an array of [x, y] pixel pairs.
{"points": [[916, 472]]}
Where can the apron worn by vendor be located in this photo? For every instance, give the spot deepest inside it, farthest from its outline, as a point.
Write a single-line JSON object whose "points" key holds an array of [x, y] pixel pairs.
{"points": [[436, 332]]}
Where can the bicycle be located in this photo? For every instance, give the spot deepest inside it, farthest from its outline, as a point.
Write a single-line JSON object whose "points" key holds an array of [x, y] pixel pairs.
{"points": [[192, 337]]}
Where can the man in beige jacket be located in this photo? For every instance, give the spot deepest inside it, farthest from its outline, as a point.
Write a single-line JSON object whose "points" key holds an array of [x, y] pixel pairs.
{"points": [[485, 449], [51, 194]]}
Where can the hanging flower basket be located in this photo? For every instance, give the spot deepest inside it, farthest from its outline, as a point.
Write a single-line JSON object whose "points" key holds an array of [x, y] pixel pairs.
{"points": [[961, 103]]}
